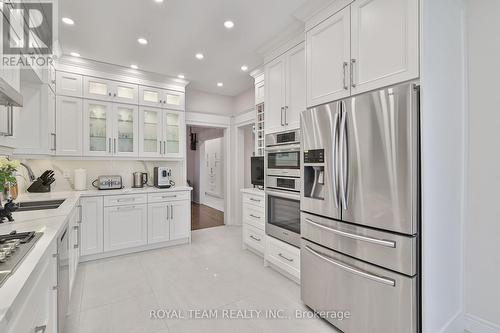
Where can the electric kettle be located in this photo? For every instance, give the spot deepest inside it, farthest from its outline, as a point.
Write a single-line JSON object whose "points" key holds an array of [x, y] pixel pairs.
{"points": [[139, 179]]}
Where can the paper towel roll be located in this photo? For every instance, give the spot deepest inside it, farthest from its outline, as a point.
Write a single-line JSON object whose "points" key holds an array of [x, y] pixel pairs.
{"points": [[80, 180]]}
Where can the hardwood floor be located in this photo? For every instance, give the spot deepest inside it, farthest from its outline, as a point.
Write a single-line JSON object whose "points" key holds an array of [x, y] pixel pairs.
{"points": [[205, 217]]}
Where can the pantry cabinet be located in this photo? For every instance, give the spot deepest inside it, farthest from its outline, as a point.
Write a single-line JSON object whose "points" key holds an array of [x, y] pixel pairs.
{"points": [[161, 98], [125, 227], [160, 132], [365, 46], [285, 90], [69, 126]]}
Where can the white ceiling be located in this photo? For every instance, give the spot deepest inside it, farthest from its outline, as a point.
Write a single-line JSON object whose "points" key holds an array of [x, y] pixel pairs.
{"points": [[107, 30]]}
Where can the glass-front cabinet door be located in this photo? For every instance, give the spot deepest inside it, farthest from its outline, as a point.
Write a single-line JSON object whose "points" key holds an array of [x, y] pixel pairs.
{"points": [[150, 132], [97, 131], [96, 88], [125, 140], [150, 96], [172, 133], [173, 99], [125, 92]]}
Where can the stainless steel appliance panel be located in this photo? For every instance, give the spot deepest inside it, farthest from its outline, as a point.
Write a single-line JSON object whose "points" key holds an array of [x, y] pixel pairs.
{"points": [[319, 131], [389, 250], [283, 216], [379, 301], [378, 148], [283, 160], [283, 183]]}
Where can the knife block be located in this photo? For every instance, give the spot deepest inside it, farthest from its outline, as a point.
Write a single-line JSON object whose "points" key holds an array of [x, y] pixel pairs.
{"points": [[38, 187]]}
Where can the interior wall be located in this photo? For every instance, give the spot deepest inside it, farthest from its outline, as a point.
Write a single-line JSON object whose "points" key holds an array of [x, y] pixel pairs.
{"points": [[94, 169], [199, 101], [442, 163], [244, 102], [482, 227], [212, 189]]}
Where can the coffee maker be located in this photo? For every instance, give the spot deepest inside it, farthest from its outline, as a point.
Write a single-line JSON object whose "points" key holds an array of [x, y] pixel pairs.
{"points": [[162, 177]]}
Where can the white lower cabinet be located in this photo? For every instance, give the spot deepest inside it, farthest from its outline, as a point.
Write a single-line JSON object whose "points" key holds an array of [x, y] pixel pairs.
{"points": [[168, 220], [74, 240], [158, 222], [125, 227], [254, 218], [180, 222], [91, 232], [36, 311], [283, 256]]}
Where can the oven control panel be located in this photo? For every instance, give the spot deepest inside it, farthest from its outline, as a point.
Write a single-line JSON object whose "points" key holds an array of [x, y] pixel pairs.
{"points": [[314, 156]]}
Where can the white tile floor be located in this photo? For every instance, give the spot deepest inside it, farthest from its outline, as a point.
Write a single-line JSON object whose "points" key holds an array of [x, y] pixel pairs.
{"points": [[117, 294]]}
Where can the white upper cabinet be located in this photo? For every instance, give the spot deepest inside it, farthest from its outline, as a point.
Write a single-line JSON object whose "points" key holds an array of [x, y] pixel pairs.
{"points": [[108, 90], [161, 98], [275, 94], [69, 125], [384, 43], [69, 84], [296, 87], [98, 128], [365, 46], [173, 133], [285, 95], [328, 56], [259, 89], [150, 132]]}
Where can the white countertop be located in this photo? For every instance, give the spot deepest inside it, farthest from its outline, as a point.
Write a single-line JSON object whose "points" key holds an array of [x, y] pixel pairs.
{"points": [[253, 190], [51, 222]]}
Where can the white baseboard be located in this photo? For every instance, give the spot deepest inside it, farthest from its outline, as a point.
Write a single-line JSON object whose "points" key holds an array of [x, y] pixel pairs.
{"points": [[475, 324], [455, 325]]}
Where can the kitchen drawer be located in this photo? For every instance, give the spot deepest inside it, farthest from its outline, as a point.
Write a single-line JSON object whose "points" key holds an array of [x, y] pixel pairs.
{"points": [[283, 255], [255, 200], [396, 252], [254, 216], [125, 199], [168, 196], [378, 300], [254, 238]]}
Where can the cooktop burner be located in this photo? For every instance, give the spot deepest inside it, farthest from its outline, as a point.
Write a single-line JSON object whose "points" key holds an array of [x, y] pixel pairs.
{"points": [[13, 249]]}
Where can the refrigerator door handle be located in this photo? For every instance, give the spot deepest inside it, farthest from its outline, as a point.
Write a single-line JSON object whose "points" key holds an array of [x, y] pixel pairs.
{"points": [[335, 156], [344, 159]]}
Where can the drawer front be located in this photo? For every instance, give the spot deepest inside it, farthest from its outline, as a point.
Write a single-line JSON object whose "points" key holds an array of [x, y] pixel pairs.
{"points": [[283, 255], [168, 196], [126, 199], [396, 252], [379, 300], [254, 216], [255, 200], [254, 238]]}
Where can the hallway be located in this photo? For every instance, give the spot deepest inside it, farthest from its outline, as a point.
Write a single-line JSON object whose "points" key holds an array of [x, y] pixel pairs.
{"points": [[205, 217]]}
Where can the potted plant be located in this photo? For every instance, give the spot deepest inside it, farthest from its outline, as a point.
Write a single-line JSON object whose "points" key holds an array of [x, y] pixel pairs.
{"points": [[8, 183]]}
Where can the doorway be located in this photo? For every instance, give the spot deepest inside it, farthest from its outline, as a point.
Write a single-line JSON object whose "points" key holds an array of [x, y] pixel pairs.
{"points": [[205, 174]]}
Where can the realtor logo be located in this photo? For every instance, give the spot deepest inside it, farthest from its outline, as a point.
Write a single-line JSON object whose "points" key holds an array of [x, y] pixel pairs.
{"points": [[27, 28]]}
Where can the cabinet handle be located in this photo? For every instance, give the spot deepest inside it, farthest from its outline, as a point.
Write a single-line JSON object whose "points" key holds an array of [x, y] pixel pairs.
{"points": [[40, 329], [53, 136], [110, 146], [171, 212], [353, 64], [169, 196], [125, 208], [282, 256], [114, 95], [255, 216], [109, 94], [255, 238], [256, 200], [164, 147], [281, 115], [344, 68], [125, 200], [168, 213], [80, 214], [286, 110], [114, 144], [10, 122]]}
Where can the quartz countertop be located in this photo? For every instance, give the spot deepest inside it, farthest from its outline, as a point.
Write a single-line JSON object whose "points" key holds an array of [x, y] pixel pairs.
{"points": [[51, 222], [253, 190]]}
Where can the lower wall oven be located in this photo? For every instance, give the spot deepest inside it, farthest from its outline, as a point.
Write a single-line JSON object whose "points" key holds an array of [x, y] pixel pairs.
{"points": [[283, 215]]}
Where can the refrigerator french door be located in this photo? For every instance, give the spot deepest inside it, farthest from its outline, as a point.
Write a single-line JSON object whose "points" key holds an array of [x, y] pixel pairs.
{"points": [[359, 158]]}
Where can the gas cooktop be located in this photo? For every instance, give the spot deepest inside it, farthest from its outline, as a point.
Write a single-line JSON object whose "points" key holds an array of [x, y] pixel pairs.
{"points": [[13, 249]]}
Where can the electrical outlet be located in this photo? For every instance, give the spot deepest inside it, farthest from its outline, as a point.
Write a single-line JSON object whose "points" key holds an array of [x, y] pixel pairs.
{"points": [[66, 174]]}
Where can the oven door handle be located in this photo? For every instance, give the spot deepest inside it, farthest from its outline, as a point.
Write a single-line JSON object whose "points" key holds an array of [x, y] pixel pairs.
{"points": [[284, 148], [283, 194]]}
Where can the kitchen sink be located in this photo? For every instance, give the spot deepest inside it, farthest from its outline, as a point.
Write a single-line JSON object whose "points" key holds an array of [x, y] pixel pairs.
{"points": [[38, 205]]}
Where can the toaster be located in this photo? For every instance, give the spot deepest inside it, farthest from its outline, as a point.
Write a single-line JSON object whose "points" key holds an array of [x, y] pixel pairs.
{"points": [[108, 182]]}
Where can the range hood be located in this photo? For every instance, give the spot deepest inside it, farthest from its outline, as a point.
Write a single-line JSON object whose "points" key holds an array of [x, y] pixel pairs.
{"points": [[8, 95]]}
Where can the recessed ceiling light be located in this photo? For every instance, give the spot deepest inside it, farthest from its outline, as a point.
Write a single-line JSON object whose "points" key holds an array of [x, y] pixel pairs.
{"points": [[142, 41], [180, 76], [134, 66], [229, 24], [220, 84], [244, 68], [67, 20], [199, 56], [159, 1], [75, 54]]}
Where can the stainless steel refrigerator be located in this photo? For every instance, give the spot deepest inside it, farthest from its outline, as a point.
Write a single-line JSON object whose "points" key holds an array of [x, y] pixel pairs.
{"points": [[360, 210]]}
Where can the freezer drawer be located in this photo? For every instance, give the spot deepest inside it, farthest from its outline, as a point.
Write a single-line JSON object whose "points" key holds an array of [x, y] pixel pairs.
{"points": [[386, 249], [378, 300]]}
